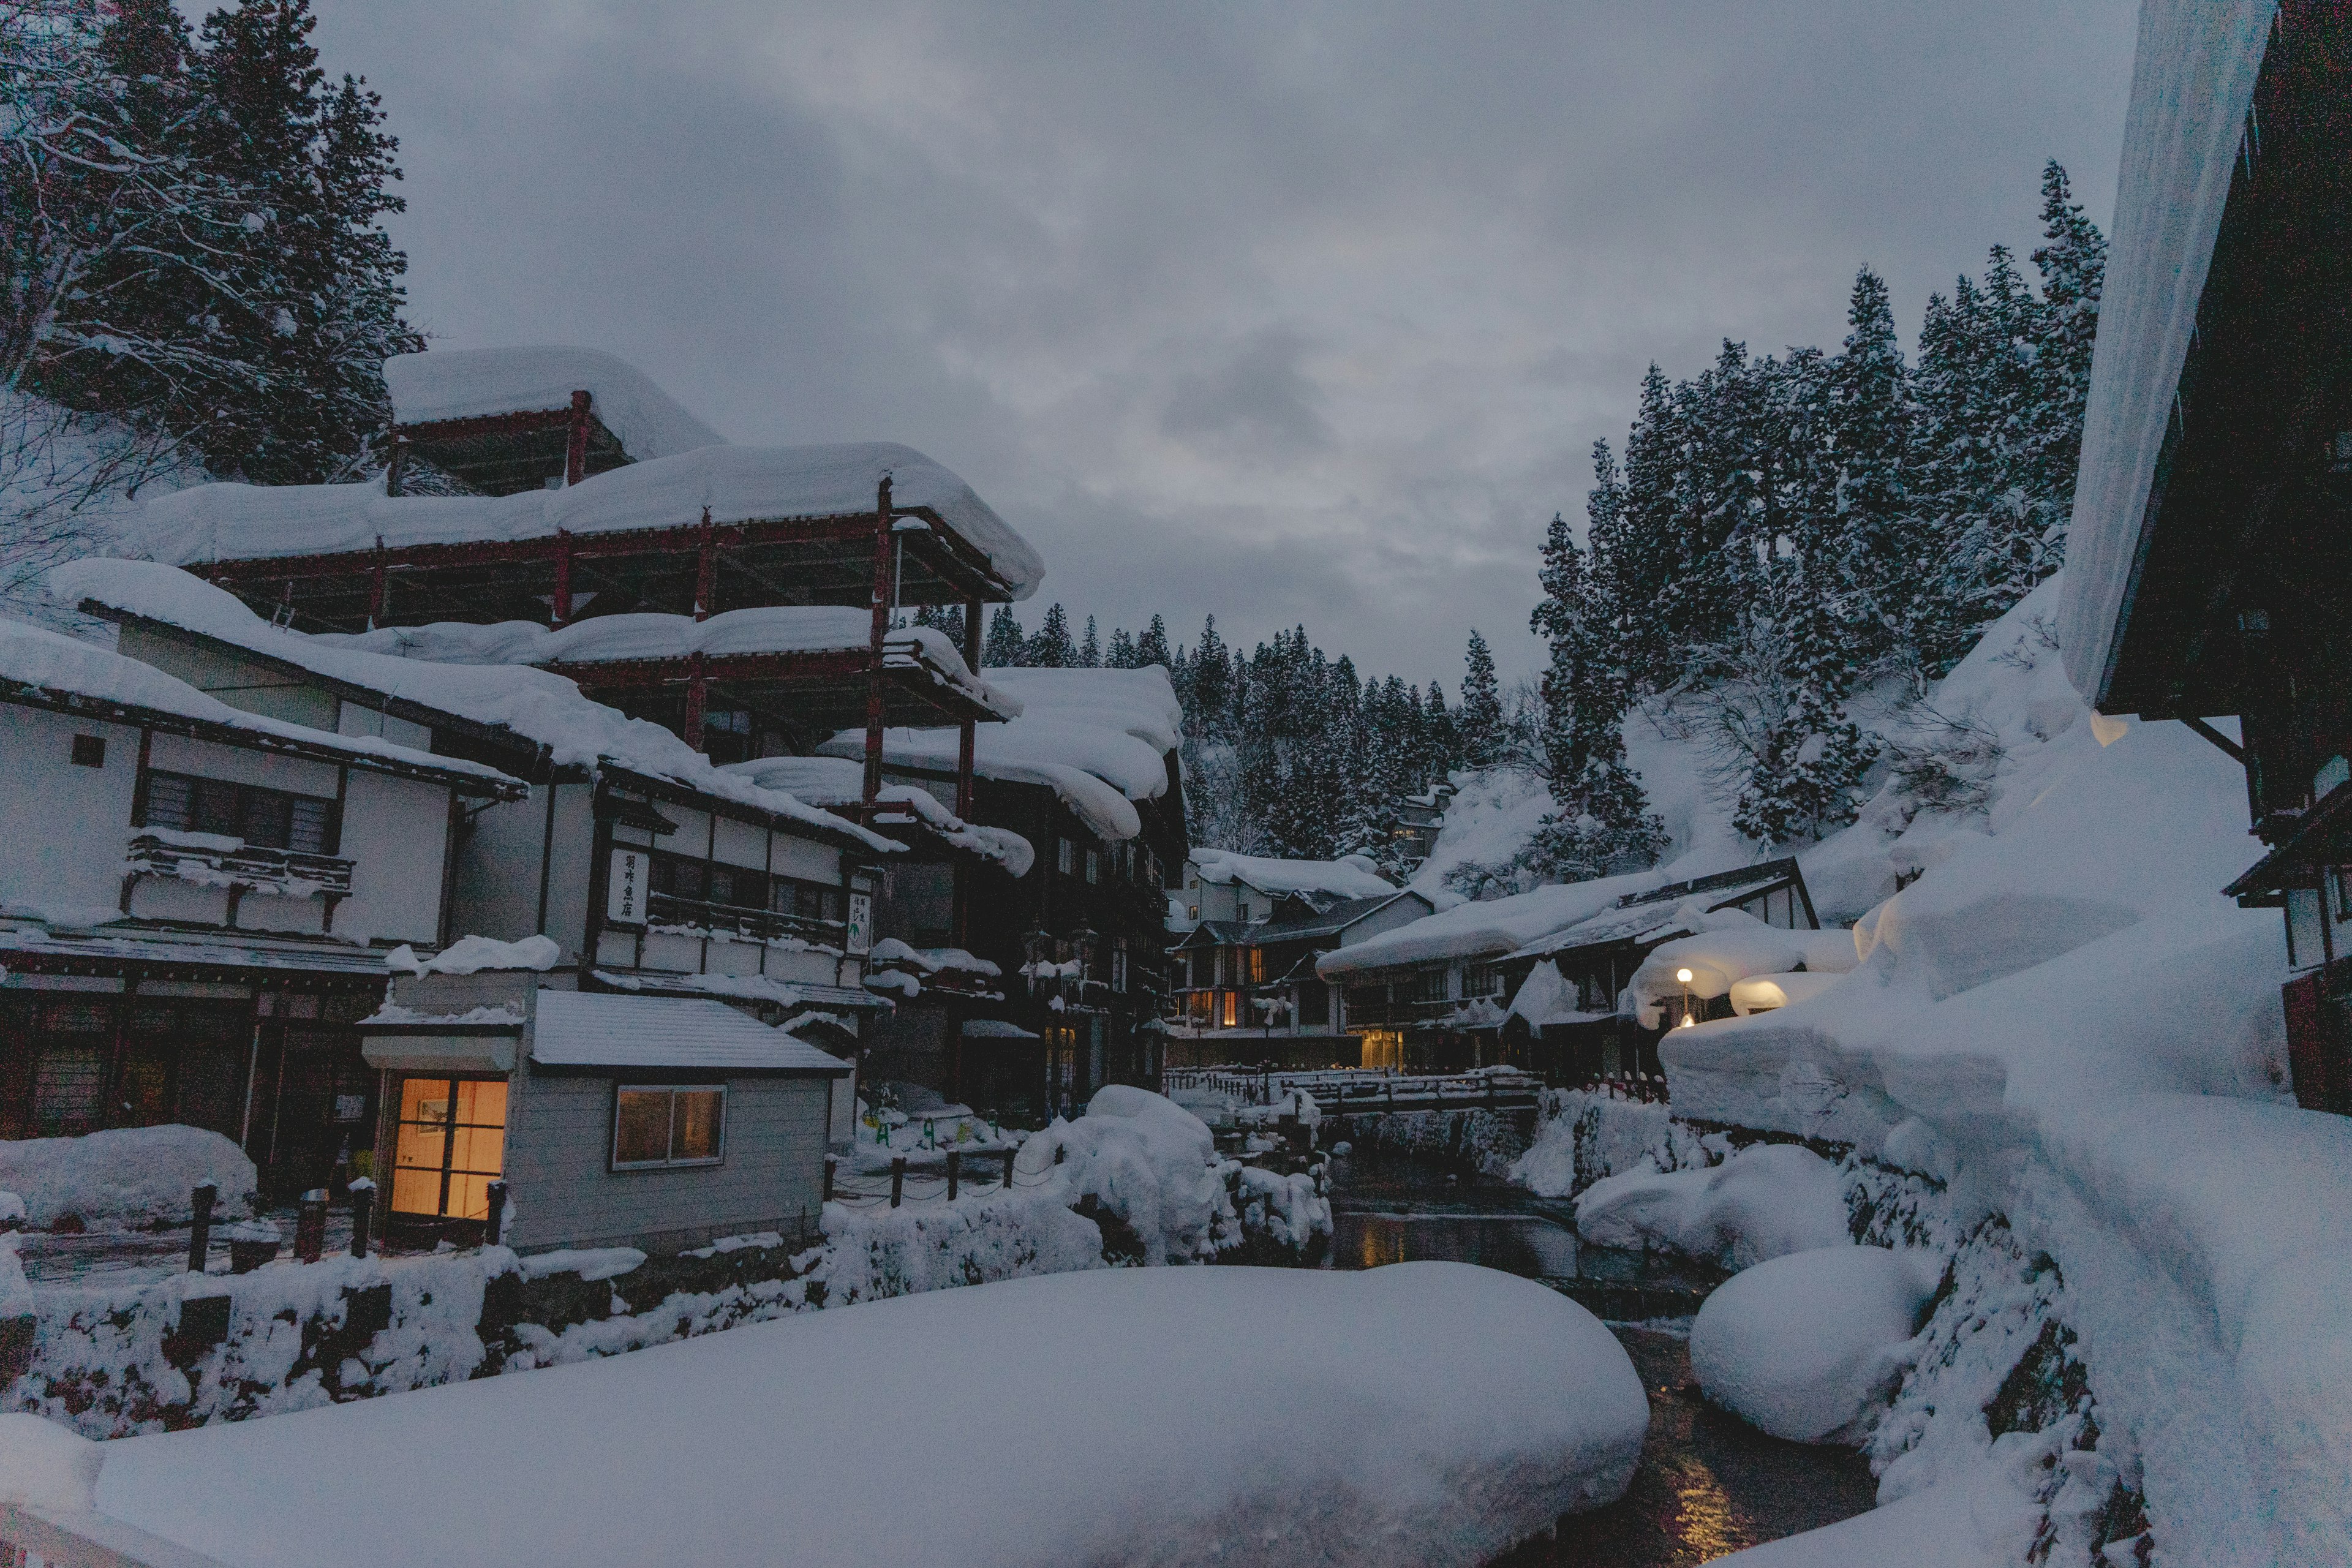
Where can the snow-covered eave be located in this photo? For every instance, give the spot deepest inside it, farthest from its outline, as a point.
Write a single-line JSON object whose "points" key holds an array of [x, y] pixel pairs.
{"points": [[771, 809], [256, 732], [1473, 944], [2193, 80]]}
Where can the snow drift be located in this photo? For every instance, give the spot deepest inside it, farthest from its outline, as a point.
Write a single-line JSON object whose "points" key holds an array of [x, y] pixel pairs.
{"points": [[1761, 1203], [1160, 1416], [126, 1178], [1803, 1346]]}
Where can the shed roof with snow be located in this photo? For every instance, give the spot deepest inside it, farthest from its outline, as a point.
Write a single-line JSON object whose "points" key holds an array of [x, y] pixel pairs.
{"points": [[598, 1029]]}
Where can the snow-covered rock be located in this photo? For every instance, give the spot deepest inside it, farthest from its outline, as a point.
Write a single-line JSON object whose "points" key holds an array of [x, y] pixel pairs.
{"points": [[1805, 1345], [1239, 1415], [1761, 1203], [126, 1177]]}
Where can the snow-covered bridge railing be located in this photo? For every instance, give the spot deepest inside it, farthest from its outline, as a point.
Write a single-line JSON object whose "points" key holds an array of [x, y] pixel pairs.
{"points": [[1361, 1090]]}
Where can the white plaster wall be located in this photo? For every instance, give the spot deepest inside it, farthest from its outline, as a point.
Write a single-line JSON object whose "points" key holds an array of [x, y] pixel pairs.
{"points": [[396, 833], [63, 828]]}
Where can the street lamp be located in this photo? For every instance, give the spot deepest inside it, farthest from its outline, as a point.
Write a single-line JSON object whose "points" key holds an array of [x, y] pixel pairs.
{"points": [[1686, 977]]}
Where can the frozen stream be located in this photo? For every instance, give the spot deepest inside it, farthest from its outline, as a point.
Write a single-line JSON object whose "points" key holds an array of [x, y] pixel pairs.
{"points": [[1708, 1484]]}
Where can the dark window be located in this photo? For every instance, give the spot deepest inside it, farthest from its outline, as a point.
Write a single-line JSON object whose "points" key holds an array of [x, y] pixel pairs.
{"points": [[268, 819], [89, 751]]}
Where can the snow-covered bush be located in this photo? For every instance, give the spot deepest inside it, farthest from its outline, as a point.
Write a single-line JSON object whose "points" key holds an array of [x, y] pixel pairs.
{"points": [[126, 1177], [1806, 1345], [878, 1253], [1149, 1170], [1762, 1202]]}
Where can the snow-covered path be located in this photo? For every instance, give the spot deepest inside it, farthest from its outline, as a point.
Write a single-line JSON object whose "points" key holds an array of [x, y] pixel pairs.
{"points": [[1226, 1414]]}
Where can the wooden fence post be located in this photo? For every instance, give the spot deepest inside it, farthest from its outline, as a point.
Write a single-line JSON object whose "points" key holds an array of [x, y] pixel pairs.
{"points": [[897, 1178], [200, 1231], [955, 1170], [362, 1212], [494, 1225], [1008, 1168], [832, 1163]]}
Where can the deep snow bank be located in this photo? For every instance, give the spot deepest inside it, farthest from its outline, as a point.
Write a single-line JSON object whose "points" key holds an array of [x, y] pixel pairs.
{"points": [[1761, 1203], [1159, 1416], [125, 1177], [1805, 1345]]}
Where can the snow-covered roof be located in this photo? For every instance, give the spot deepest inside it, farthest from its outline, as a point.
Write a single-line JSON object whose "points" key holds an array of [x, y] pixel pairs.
{"points": [[1352, 878], [603, 639], [839, 781], [86, 935], [34, 659], [2192, 82], [1487, 928], [1546, 998], [1097, 738], [747, 988], [1728, 946], [542, 709], [588, 1028], [472, 383], [737, 484]]}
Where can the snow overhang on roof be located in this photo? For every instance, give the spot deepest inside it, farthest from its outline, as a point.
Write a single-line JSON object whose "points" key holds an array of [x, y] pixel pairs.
{"points": [[1100, 739], [44, 669], [595, 1029], [538, 708], [751, 492], [445, 384], [2193, 81], [994, 1029], [1348, 878]]}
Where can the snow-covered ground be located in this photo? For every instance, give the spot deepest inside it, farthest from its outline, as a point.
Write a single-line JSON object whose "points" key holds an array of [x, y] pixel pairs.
{"points": [[124, 1178], [1237, 1415]]}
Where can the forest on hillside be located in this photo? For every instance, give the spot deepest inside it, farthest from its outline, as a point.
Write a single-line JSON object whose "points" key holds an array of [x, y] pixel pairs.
{"points": [[1783, 548]]}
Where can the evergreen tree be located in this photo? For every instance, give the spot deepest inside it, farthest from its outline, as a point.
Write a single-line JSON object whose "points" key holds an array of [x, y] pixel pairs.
{"points": [[1210, 683], [1152, 647], [1480, 721], [1050, 647], [1442, 740], [1091, 654], [1005, 647], [1599, 823], [1122, 650]]}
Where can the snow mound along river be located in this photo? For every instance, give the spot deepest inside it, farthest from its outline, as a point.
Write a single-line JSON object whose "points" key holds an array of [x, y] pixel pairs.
{"points": [[1151, 1415], [1805, 1346]]}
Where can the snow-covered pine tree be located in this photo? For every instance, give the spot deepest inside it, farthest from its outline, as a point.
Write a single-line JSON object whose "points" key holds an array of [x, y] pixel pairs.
{"points": [[317, 279], [1121, 653], [1210, 683], [1151, 644], [1599, 823], [1091, 654], [1442, 743], [1865, 578], [1050, 647], [1480, 718], [1642, 563], [1004, 647], [2073, 261]]}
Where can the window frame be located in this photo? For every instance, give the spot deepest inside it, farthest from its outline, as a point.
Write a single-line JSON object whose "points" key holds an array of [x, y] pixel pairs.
{"points": [[449, 1127], [670, 1091], [245, 797]]}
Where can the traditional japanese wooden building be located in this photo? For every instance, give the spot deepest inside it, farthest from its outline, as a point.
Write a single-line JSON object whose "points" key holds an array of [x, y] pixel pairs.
{"points": [[2208, 569], [196, 904], [1246, 992]]}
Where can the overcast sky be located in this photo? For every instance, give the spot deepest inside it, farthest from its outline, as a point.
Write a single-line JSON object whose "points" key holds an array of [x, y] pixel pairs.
{"points": [[1284, 313]]}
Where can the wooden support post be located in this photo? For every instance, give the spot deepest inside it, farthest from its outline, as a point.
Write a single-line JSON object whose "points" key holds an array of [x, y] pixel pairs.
{"points": [[575, 444], [955, 1172], [965, 742], [379, 587], [396, 466], [705, 570], [1009, 1153], [494, 1224], [832, 1165], [310, 1225], [200, 1231], [698, 694], [897, 1178], [362, 1213], [884, 591], [562, 608]]}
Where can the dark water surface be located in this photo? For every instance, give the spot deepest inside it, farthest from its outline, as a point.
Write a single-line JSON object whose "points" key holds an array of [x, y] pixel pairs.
{"points": [[1708, 1484]]}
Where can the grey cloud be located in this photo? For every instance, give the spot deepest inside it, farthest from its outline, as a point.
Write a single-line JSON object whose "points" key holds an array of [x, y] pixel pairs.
{"points": [[1300, 313]]}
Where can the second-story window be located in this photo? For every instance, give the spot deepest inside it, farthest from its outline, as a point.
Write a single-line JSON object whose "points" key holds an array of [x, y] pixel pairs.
{"points": [[1094, 866], [1119, 964], [1066, 856], [268, 819]]}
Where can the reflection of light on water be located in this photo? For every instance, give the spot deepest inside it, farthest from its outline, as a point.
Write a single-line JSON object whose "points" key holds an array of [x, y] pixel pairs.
{"points": [[1383, 1243], [1704, 1519]]}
